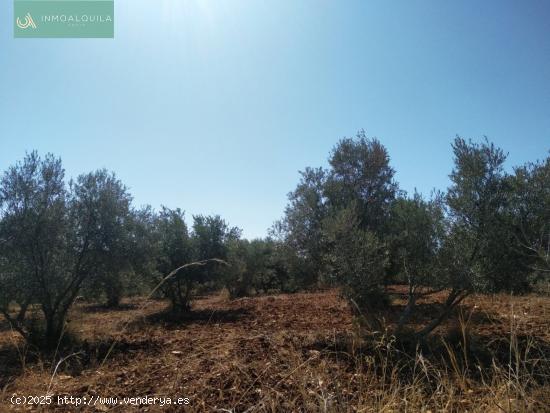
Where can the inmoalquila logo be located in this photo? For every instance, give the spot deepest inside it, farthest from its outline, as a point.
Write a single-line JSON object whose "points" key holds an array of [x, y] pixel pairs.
{"points": [[67, 18], [76, 19], [26, 22]]}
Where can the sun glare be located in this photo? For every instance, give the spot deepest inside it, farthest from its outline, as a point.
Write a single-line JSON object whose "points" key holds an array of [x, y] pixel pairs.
{"points": [[207, 11]]}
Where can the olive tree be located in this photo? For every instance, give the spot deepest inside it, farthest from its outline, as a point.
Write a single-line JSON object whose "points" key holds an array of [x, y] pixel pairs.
{"points": [[417, 229], [113, 232], [173, 251], [358, 260], [254, 266], [360, 173], [530, 211], [476, 192], [302, 226], [205, 245], [53, 239]]}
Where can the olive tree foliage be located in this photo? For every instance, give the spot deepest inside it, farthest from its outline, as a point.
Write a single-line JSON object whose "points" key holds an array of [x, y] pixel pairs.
{"points": [[410, 248], [470, 243], [212, 236], [476, 198], [358, 260], [360, 174], [360, 191], [489, 232], [53, 238], [417, 227], [530, 212], [301, 228], [34, 223], [444, 244], [174, 246], [475, 194], [238, 278], [113, 273], [173, 250], [256, 266], [416, 232]]}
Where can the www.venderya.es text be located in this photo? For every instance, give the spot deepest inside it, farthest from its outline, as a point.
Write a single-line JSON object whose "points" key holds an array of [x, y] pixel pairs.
{"points": [[95, 400]]}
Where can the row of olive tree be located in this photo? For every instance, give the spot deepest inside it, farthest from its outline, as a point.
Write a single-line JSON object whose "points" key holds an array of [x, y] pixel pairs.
{"points": [[348, 225], [60, 241], [263, 266], [353, 227]]}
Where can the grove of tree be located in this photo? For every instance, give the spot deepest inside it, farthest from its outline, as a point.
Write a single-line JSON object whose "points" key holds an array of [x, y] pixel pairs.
{"points": [[347, 226]]}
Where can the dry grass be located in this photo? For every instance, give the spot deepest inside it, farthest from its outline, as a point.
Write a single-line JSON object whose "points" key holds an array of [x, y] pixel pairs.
{"points": [[299, 352]]}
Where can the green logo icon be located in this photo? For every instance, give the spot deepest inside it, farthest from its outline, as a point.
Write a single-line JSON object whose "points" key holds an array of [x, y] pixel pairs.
{"points": [[26, 22]]}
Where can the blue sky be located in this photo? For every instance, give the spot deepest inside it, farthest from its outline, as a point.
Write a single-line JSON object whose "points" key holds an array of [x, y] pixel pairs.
{"points": [[214, 105]]}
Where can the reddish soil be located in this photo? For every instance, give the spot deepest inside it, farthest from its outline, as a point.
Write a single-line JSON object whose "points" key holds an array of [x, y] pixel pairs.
{"points": [[271, 353]]}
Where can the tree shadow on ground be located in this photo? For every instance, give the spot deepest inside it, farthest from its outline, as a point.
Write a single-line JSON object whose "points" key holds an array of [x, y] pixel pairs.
{"points": [[81, 355], [4, 325], [11, 364], [203, 316], [102, 308], [424, 313]]}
